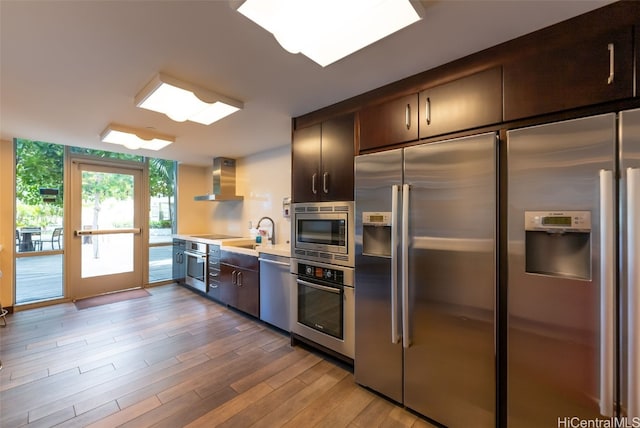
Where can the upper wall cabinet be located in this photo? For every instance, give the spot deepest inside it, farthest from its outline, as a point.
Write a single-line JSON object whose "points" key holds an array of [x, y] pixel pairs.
{"points": [[556, 77], [322, 161], [465, 103], [392, 122]]}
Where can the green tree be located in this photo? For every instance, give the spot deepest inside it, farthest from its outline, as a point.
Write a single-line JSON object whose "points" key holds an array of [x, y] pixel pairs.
{"points": [[38, 165], [161, 180]]}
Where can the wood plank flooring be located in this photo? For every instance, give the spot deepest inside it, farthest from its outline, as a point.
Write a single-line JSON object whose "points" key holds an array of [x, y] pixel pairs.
{"points": [[173, 359]]}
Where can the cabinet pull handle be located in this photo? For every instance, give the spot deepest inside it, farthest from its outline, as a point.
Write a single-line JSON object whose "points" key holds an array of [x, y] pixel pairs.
{"points": [[325, 182], [427, 109], [239, 276], [407, 116], [234, 281], [611, 63], [313, 183]]}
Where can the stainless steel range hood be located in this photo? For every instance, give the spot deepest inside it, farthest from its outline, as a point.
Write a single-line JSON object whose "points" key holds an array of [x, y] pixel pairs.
{"points": [[224, 182]]}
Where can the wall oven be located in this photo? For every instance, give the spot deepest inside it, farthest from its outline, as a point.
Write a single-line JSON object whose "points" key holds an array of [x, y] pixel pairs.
{"points": [[323, 232], [323, 310], [195, 257]]}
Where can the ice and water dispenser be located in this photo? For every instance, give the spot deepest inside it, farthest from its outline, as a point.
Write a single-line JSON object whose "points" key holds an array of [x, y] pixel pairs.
{"points": [[558, 243], [376, 234]]}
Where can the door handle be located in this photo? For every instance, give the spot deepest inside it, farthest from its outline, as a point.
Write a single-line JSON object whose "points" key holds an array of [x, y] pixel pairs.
{"points": [[234, 279], [313, 183], [610, 48], [427, 109], [325, 182], [407, 116], [395, 337], [239, 278], [607, 265], [633, 293]]}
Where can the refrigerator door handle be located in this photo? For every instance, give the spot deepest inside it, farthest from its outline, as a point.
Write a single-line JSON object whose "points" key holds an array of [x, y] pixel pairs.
{"points": [[633, 293], [395, 337], [406, 341], [607, 267]]}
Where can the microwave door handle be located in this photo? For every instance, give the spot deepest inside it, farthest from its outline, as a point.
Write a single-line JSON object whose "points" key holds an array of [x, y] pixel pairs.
{"points": [[607, 217], [633, 294], [395, 337]]}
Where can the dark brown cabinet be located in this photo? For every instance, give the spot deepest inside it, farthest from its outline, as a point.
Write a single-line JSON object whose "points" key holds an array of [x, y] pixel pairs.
{"points": [[240, 282], [392, 122], [587, 71], [322, 161], [465, 103]]}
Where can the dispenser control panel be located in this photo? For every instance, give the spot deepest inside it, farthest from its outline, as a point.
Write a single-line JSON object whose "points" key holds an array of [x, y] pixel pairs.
{"points": [[376, 218], [578, 221]]}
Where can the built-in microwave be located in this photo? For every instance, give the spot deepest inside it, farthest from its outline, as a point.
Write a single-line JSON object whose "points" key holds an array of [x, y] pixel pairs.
{"points": [[323, 232]]}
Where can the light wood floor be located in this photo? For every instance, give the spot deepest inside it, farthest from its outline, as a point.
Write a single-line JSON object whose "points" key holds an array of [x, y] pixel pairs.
{"points": [[170, 360]]}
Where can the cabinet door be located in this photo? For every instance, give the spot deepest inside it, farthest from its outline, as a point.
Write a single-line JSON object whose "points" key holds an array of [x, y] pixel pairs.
{"points": [[336, 180], [228, 291], [305, 164], [248, 290], [589, 71], [389, 123], [462, 104]]}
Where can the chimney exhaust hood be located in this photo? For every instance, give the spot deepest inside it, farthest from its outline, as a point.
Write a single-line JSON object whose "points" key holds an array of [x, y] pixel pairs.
{"points": [[224, 182]]}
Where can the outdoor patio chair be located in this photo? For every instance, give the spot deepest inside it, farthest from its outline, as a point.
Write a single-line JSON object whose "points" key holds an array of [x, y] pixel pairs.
{"points": [[56, 236]]}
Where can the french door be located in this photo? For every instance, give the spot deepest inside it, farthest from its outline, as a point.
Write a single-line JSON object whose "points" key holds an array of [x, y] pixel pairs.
{"points": [[106, 222]]}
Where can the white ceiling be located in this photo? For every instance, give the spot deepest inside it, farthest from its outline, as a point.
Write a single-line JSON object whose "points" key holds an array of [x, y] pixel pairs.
{"points": [[69, 68]]}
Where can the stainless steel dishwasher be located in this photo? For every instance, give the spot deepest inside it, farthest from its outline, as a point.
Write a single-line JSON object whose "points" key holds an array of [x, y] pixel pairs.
{"points": [[275, 290]]}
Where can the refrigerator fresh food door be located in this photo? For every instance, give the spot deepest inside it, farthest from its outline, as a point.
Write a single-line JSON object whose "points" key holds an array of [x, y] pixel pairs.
{"points": [[630, 262], [450, 349], [378, 353], [561, 317]]}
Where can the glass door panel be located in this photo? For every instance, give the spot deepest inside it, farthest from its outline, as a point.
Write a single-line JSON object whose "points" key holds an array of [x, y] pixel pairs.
{"points": [[106, 218]]}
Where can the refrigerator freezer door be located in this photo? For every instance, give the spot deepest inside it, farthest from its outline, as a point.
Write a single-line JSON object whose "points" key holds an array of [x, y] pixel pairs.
{"points": [[378, 353], [630, 262], [555, 323], [450, 360]]}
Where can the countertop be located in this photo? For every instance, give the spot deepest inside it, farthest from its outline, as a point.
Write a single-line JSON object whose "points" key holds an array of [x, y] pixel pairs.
{"points": [[227, 244]]}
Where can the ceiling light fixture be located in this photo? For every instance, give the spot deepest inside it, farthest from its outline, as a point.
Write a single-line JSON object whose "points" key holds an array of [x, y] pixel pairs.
{"points": [[328, 30], [135, 139], [182, 101]]}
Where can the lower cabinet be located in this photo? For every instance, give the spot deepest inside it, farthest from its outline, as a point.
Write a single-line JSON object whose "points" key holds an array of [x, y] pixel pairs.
{"points": [[240, 282]]}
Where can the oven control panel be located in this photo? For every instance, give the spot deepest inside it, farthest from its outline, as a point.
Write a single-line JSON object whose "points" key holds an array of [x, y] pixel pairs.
{"points": [[335, 276]]}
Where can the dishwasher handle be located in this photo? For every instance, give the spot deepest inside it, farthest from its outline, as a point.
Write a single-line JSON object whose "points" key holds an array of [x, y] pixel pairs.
{"points": [[273, 262]]}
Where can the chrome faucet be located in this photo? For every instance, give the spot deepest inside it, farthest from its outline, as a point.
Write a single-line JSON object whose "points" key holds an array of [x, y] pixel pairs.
{"points": [[273, 228]]}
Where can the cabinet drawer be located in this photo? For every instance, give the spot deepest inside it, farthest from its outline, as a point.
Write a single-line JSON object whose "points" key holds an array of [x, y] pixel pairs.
{"points": [[393, 122], [590, 71], [240, 260], [466, 103]]}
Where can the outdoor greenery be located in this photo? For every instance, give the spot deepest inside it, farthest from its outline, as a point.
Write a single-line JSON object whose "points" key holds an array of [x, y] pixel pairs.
{"points": [[40, 165]]}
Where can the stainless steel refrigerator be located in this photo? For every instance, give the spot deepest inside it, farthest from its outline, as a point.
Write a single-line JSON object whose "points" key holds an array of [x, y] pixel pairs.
{"points": [[426, 278], [573, 275]]}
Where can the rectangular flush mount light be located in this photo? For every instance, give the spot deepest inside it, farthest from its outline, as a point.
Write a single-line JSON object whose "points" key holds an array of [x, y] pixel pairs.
{"points": [[135, 139], [328, 30], [182, 101]]}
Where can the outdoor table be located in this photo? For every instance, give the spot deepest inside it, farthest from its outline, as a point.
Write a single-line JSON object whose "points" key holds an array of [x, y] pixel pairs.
{"points": [[26, 241]]}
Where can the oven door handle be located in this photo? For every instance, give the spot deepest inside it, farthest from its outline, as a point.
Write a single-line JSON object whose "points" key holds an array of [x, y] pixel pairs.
{"points": [[197, 255], [319, 287]]}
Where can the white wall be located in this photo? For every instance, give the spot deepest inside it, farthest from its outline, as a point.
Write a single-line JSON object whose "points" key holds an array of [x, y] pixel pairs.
{"points": [[264, 179]]}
